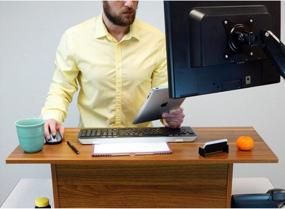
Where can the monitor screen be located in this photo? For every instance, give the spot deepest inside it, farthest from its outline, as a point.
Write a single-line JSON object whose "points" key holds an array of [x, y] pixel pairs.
{"points": [[215, 46]]}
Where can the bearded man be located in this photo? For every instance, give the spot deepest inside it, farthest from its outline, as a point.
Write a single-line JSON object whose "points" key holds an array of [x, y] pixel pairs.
{"points": [[114, 60]]}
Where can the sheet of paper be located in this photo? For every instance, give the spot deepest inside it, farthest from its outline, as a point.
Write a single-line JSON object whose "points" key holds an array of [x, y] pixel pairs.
{"points": [[134, 148]]}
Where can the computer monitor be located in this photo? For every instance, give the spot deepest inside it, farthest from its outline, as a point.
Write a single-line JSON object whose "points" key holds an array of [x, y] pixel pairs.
{"points": [[215, 46]]}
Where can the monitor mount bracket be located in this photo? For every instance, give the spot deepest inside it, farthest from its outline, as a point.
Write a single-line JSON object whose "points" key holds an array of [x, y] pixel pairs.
{"points": [[274, 49], [243, 40]]}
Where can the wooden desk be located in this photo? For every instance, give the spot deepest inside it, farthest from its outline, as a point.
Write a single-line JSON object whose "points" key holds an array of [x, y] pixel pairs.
{"points": [[181, 179]]}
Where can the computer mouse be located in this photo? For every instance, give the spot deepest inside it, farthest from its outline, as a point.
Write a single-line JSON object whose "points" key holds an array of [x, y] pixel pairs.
{"points": [[54, 139]]}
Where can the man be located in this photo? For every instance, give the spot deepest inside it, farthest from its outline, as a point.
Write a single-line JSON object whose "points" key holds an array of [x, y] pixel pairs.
{"points": [[115, 60]]}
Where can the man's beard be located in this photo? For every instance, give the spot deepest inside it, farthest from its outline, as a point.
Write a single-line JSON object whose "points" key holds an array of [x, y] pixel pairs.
{"points": [[117, 19]]}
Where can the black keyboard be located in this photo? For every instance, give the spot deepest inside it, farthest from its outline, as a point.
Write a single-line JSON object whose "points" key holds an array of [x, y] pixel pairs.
{"points": [[102, 135]]}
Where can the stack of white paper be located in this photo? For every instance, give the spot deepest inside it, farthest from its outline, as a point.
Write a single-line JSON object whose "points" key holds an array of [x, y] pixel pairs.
{"points": [[135, 148]]}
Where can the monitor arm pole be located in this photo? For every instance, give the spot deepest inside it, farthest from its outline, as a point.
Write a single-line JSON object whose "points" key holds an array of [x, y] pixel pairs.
{"points": [[275, 49]]}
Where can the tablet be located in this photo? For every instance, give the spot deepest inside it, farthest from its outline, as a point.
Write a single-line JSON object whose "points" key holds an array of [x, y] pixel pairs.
{"points": [[157, 102]]}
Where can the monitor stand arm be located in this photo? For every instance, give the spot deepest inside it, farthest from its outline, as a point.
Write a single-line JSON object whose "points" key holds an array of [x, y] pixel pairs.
{"points": [[275, 49]]}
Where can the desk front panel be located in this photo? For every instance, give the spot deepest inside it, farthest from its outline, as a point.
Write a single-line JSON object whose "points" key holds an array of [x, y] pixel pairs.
{"points": [[142, 185]]}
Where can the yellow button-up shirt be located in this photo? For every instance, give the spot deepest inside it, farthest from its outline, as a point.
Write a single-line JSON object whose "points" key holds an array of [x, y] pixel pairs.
{"points": [[114, 77]]}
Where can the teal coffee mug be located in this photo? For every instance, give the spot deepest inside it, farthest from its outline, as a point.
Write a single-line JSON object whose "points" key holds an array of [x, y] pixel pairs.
{"points": [[31, 134]]}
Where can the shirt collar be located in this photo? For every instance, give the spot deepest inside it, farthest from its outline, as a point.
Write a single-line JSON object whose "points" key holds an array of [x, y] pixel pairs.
{"points": [[101, 30], [134, 31]]}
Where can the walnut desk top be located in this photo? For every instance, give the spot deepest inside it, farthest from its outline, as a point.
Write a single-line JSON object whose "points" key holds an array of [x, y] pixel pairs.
{"points": [[183, 153]]}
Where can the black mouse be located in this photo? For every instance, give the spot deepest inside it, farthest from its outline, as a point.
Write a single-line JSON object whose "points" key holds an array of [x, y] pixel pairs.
{"points": [[54, 139]]}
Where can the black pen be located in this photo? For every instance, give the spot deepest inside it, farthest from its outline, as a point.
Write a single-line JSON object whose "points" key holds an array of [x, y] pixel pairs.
{"points": [[73, 147]]}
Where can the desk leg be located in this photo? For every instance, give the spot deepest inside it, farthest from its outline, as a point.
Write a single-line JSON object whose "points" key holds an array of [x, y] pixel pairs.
{"points": [[142, 185], [229, 185], [55, 186]]}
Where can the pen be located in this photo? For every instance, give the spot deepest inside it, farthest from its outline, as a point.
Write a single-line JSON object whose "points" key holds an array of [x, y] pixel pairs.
{"points": [[73, 147]]}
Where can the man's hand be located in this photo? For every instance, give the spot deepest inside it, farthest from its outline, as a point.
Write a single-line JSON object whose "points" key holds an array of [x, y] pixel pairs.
{"points": [[51, 127], [174, 118]]}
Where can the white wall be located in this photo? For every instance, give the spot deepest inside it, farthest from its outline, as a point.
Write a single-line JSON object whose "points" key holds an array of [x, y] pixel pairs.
{"points": [[29, 34]]}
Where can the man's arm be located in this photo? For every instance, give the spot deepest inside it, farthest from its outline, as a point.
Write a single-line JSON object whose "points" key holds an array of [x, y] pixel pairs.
{"points": [[62, 88], [174, 118], [159, 75]]}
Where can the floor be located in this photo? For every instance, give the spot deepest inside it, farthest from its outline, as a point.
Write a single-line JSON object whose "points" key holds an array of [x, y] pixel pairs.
{"points": [[27, 190]]}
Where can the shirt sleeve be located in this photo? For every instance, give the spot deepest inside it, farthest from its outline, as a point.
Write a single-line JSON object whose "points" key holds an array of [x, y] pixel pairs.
{"points": [[159, 76], [64, 82]]}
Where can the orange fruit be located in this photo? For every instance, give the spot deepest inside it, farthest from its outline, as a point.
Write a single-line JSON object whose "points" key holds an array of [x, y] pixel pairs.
{"points": [[245, 143]]}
